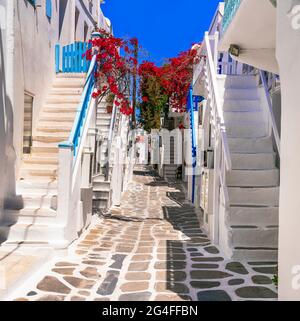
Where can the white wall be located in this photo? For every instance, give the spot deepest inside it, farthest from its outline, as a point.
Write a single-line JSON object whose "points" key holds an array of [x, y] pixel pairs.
{"points": [[288, 54], [4, 101], [28, 48]]}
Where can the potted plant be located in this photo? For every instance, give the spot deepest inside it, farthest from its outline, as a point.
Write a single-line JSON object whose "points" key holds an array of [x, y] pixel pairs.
{"points": [[110, 101]]}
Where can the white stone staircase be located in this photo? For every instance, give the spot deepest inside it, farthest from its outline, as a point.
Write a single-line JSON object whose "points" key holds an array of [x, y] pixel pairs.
{"points": [[253, 182], [101, 182], [32, 217]]}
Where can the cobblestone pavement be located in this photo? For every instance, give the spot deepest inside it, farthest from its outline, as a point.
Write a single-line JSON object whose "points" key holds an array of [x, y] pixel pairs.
{"points": [[151, 248]]}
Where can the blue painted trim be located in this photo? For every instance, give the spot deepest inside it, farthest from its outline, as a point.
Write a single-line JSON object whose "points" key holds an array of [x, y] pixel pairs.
{"points": [[33, 2], [230, 10], [66, 145], [191, 106], [57, 58], [75, 135], [73, 59], [49, 8]]}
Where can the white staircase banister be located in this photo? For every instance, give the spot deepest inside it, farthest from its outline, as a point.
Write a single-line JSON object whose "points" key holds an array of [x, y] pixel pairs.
{"points": [[71, 152], [75, 135], [216, 97], [270, 110]]}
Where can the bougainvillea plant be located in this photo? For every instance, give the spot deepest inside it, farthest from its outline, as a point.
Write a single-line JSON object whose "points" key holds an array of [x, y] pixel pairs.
{"points": [[152, 102], [174, 77], [115, 63]]}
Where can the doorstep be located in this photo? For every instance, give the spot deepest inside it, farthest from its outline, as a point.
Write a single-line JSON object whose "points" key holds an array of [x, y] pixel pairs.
{"points": [[19, 265]]}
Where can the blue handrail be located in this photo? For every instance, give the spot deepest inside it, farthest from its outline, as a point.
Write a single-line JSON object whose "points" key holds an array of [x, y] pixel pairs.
{"points": [[191, 109], [75, 135]]}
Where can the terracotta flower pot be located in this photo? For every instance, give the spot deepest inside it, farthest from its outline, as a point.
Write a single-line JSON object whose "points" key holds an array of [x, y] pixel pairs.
{"points": [[109, 109]]}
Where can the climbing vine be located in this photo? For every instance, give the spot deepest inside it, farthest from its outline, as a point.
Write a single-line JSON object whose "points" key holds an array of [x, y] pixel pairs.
{"points": [[115, 65], [174, 77], [159, 86]]}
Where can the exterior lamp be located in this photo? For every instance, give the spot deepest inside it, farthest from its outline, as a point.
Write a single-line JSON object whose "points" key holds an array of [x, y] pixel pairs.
{"points": [[234, 50]]}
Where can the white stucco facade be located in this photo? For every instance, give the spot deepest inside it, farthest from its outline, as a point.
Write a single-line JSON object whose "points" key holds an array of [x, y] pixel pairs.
{"points": [[287, 53], [278, 29], [27, 54]]}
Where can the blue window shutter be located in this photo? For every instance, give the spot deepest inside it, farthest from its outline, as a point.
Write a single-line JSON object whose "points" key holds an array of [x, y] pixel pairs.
{"points": [[32, 2], [49, 8]]}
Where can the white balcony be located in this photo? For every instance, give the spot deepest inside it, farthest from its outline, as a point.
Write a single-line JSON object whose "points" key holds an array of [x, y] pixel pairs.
{"points": [[251, 25]]}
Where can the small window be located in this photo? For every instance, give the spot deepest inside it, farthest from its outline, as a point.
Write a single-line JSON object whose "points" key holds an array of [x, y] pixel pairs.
{"points": [[33, 2], [49, 8]]}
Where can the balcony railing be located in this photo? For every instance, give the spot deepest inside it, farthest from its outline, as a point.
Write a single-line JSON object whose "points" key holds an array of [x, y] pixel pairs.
{"points": [[231, 7]]}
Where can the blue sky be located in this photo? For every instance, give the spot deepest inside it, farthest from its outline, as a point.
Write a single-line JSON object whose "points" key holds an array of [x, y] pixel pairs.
{"points": [[164, 27]]}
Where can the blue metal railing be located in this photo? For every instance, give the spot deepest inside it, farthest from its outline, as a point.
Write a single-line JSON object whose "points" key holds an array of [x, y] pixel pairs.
{"points": [[71, 58], [231, 7], [76, 133], [192, 106]]}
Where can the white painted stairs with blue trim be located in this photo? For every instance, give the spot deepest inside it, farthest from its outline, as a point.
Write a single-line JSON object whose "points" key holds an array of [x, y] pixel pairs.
{"points": [[32, 219]]}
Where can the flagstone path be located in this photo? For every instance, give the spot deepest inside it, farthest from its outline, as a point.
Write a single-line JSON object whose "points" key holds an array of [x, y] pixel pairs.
{"points": [[151, 248]]}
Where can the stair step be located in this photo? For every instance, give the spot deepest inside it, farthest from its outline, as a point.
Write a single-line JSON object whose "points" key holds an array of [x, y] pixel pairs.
{"points": [[251, 145], [102, 127], [29, 213], [71, 75], [28, 170], [43, 185], [238, 81], [69, 83], [253, 161], [58, 118], [103, 121], [100, 194], [100, 203], [255, 254], [61, 127], [100, 179], [63, 99], [253, 178], [33, 159], [99, 183], [50, 137], [245, 129], [32, 232], [37, 199], [255, 237], [243, 116], [60, 108], [44, 150], [66, 91], [239, 94], [232, 105], [261, 196], [104, 115], [255, 216]]}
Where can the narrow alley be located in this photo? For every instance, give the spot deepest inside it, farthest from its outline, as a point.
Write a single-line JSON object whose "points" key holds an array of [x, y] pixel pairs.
{"points": [[149, 248]]}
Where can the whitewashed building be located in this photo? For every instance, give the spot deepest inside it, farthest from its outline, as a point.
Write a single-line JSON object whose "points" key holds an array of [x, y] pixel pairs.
{"points": [[252, 114], [54, 142]]}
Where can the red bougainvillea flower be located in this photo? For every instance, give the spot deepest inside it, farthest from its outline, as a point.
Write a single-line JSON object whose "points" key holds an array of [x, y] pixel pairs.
{"points": [[175, 76], [96, 93], [112, 67], [145, 99]]}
